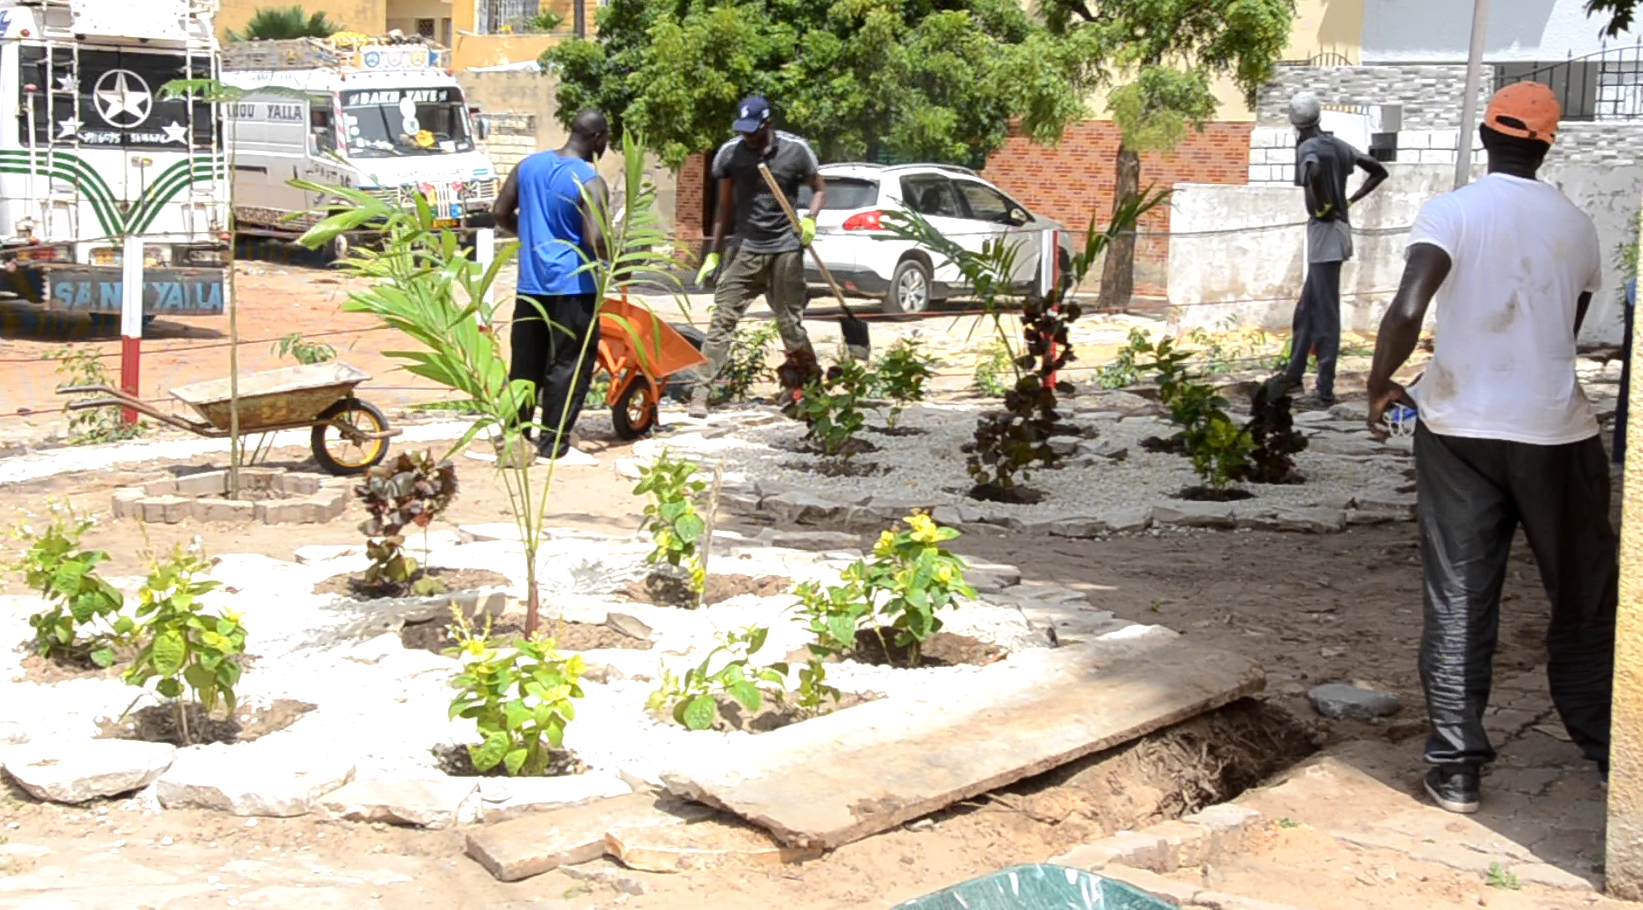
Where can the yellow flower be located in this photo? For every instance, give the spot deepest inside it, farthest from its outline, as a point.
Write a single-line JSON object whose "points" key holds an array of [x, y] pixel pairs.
{"points": [[944, 574], [474, 648], [887, 542], [924, 529]]}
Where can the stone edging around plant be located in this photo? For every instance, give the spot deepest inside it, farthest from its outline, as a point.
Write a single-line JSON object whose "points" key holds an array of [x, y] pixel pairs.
{"points": [[791, 507], [303, 498]]}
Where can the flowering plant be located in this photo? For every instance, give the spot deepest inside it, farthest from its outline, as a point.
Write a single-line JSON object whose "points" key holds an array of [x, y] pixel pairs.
{"points": [[909, 579]]}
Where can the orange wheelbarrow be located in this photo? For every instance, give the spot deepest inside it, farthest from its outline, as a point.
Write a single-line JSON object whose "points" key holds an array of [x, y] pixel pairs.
{"points": [[639, 352]]}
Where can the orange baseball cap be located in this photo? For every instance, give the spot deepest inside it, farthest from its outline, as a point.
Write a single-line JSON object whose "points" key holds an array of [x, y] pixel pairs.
{"points": [[1527, 110]]}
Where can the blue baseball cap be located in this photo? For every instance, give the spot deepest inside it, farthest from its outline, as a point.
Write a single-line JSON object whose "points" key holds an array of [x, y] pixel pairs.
{"points": [[751, 114]]}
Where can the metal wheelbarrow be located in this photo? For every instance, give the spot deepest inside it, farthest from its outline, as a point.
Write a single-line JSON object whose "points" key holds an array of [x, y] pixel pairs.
{"points": [[639, 351], [349, 434], [1037, 887]]}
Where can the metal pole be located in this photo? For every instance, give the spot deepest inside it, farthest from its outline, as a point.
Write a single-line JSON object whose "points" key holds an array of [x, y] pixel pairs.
{"points": [[131, 322], [1469, 104]]}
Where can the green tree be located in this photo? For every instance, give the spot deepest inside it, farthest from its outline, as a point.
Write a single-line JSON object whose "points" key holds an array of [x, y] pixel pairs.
{"points": [[1156, 58], [920, 79], [1620, 14], [282, 23]]}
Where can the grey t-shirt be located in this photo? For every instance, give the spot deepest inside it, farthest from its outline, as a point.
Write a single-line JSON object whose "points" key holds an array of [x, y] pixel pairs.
{"points": [[760, 225], [1329, 239]]}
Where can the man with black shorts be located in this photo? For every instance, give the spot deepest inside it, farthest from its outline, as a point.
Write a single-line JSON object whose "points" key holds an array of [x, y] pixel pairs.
{"points": [[768, 257], [1506, 438]]}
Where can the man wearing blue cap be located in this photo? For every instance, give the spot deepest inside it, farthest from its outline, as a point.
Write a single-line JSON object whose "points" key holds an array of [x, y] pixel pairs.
{"points": [[767, 257]]}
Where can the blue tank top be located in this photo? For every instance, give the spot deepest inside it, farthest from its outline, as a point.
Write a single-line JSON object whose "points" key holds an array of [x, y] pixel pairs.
{"points": [[550, 225]]}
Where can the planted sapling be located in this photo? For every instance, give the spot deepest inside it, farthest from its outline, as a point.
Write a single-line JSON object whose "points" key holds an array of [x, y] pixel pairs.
{"points": [[900, 375], [831, 407], [77, 599], [670, 516], [693, 701], [518, 693], [409, 491], [179, 644]]}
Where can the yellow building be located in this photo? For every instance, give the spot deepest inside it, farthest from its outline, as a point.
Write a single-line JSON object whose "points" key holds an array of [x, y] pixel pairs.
{"points": [[478, 32]]}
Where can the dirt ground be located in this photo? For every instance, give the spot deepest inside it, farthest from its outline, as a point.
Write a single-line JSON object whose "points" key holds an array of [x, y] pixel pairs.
{"points": [[1310, 608]]}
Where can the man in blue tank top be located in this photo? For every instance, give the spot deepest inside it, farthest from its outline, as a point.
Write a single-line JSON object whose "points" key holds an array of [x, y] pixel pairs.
{"points": [[555, 333]]}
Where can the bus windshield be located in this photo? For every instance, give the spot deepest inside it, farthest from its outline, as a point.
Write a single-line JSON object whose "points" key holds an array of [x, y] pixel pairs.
{"points": [[386, 123]]}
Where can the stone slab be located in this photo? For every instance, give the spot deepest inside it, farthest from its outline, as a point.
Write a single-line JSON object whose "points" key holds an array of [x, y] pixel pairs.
{"points": [[75, 771], [267, 783], [432, 803], [522, 847], [501, 799], [1191, 514], [700, 846], [887, 762]]}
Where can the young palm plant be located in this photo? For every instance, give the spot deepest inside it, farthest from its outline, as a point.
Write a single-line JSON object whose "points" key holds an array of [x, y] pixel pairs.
{"points": [[1006, 443], [426, 285]]}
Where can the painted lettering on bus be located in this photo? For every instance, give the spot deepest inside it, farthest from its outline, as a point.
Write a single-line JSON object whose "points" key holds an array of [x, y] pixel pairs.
{"points": [[78, 294], [395, 96]]}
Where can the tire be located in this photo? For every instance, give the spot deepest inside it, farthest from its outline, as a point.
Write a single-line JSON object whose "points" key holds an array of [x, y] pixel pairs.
{"points": [[634, 414], [679, 389], [360, 415], [910, 289]]}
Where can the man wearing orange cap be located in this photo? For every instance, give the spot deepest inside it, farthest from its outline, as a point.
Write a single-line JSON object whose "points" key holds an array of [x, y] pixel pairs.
{"points": [[1505, 438]]}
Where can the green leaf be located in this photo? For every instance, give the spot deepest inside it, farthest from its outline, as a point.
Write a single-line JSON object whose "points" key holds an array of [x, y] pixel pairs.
{"points": [[489, 753], [699, 713], [747, 694], [169, 687], [199, 677], [103, 657], [690, 528], [170, 650], [514, 760], [842, 629]]}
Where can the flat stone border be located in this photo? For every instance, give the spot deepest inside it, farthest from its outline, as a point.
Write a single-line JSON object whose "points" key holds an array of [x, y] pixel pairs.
{"points": [[790, 507], [305, 498]]}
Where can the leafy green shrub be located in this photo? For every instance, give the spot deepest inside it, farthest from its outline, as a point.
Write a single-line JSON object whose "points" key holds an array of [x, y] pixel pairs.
{"points": [[693, 700], [671, 519], [1219, 450], [518, 694], [93, 425], [747, 362], [304, 351], [899, 376], [179, 644], [77, 599], [831, 406], [597, 390], [1271, 430], [995, 371], [409, 491], [1122, 372], [908, 581]]}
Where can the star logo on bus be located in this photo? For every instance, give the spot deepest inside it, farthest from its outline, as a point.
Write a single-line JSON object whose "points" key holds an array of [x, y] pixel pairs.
{"points": [[174, 132], [122, 99]]}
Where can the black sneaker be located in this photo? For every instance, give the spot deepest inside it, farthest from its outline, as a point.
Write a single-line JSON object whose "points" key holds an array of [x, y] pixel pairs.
{"points": [[1314, 403], [1454, 788]]}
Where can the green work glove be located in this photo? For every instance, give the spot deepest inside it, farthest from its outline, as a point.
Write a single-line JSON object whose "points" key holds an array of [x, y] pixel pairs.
{"points": [[807, 230], [710, 266]]}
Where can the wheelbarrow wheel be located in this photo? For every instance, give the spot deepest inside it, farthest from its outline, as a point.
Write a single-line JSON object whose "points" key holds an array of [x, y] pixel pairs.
{"points": [[634, 413], [337, 446]]}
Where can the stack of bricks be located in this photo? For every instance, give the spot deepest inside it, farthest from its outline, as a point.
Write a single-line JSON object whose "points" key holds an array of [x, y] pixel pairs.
{"points": [[280, 497]]}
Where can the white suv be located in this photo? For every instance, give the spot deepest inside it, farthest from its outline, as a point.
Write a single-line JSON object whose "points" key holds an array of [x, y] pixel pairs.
{"points": [[908, 277]]}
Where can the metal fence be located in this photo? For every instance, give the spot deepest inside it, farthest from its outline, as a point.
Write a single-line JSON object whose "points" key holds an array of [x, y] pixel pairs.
{"points": [[1606, 85], [491, 15]]}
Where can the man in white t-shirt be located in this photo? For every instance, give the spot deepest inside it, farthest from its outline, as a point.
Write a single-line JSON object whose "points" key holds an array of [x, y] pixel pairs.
{"points": [[1505, 438]]}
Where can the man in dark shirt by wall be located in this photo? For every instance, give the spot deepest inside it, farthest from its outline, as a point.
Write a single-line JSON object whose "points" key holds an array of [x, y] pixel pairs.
{"points": [[768, 256], [1322, 165]]}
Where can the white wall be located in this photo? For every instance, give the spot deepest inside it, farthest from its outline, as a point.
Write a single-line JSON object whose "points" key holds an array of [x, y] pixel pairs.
{"points": [[1414, 31], [1236, 252]]}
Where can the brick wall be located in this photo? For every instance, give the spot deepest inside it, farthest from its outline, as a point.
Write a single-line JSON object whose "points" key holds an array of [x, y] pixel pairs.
{"points": [[512, 140], [687, 216], [1074, 181], [1070, 183]]}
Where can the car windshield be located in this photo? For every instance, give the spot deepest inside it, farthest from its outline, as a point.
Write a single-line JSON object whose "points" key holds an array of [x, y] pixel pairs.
{"points": [[844, 193], [389, 123]]}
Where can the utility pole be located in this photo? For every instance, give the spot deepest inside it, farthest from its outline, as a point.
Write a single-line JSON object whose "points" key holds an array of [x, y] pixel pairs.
{"points": [[1469, 104]]}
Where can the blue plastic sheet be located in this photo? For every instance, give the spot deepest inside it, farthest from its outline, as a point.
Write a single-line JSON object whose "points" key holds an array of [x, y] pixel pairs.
{"points": [[1037, 887]]}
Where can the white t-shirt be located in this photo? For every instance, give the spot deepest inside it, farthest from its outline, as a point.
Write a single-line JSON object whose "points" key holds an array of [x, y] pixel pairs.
{"points": [[1503, 365]]}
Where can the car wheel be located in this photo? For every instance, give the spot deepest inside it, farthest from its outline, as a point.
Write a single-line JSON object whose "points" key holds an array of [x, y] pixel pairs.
{"points": [[910, 288]]}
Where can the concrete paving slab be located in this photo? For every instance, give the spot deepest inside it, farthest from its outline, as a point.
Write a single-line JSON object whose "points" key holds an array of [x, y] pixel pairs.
{"points": [[523, 847], [887, 762], [700, 846]]}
